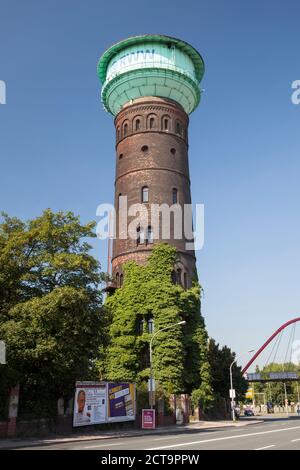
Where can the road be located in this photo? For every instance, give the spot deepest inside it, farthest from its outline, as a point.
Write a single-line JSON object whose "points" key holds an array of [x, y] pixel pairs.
{"points": [[272, 434]]}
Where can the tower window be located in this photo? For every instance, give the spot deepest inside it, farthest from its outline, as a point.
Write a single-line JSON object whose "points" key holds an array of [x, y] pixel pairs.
{"points": [[140, 327], [137, 125], [118, 134], [121, 280], [175, 196], [173, 151], [145, 148], [140, 236], [120, 156], [178, 128], [145, 357], [178, 276], [117, 279], [150, 325], [145, 194], [149, 235], [173, 277], [185, 280], [151, 123], [166, 124], [125, 130]]}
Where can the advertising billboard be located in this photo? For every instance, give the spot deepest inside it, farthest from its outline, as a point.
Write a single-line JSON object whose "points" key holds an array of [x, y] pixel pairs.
{"points": [[103, 402], [90, 403], [121, 401]]}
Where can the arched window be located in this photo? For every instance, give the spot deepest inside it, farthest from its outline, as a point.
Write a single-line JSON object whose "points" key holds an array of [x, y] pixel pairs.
{"points": [[145, 194], [178, 272], [137, 125], [118, 134], [166, 124], [117, 279], [125, 129], [178, 128], [175, 196], [121, 280], [149, 234], [150, 326], [173, 277], [140, 326], [151, 121], [140, 236]]}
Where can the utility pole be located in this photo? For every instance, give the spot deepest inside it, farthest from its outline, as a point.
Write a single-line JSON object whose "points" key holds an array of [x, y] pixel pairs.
{"points": [[232, 391]]}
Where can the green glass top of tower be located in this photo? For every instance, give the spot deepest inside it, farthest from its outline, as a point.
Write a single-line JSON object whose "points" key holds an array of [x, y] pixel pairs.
{"points": [[150, 65]]}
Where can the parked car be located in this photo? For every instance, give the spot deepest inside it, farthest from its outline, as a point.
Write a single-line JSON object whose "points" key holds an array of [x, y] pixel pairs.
{"points": [[248, 412]]}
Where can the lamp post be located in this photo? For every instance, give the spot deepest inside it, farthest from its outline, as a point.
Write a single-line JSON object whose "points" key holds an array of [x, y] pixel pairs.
{"points": [[231, 387], [231, 391], [151, 369]]}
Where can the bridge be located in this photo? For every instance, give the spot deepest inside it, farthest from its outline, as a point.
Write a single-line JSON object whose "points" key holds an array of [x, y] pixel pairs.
{"points": [[283, 376]]}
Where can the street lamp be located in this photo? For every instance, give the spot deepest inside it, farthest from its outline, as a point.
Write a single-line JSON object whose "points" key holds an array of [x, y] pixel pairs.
{"points": [[151, 370], [231, 387], [231, 391]]}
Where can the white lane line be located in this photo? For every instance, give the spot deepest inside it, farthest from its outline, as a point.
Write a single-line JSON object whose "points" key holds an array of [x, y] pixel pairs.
{"points": [[266, 447], [224, 438], [104, 445], [295, 440]]}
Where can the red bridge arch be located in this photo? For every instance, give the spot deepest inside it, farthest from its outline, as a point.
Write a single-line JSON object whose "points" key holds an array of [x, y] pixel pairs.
{"points": [[269, 341]]}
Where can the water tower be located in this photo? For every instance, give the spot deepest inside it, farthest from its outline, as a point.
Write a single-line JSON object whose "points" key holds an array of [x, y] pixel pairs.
{"points": [[150, 84]]}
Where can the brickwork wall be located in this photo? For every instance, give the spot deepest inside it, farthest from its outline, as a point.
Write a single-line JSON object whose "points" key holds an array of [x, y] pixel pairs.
{"points": [[152, 152]]}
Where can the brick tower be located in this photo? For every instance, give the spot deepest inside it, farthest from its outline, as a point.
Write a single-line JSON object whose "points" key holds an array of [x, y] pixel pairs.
{"points": [[151, 85]]}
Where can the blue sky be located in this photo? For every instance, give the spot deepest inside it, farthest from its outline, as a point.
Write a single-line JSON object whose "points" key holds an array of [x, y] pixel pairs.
{"points": [[57, 143]]}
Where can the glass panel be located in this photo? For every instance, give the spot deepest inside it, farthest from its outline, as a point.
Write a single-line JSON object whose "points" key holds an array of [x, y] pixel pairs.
{"points": [[145, 194], [151, 326], [150, 235], [175, 196]]}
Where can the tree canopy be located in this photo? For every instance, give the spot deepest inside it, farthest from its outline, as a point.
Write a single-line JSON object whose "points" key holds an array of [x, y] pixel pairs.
{"points": [[220, 360], [50, 304]]}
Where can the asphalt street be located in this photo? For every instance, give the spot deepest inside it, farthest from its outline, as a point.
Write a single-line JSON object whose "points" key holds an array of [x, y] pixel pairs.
{"points": [[272, 434]]}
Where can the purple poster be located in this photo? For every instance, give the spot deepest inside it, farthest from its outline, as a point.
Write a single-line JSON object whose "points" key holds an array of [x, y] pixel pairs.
{"points": [[121, 401]]}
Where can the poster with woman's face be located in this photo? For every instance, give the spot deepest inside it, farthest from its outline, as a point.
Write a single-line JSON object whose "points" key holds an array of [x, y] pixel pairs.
{"points": [[89, 404]]}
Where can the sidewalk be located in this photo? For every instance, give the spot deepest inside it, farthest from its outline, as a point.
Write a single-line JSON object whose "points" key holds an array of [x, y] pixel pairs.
{"points": [[15, 443]]}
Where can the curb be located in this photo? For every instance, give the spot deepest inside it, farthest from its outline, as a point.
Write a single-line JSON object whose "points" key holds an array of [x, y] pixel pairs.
{"points": [[48, 442]]}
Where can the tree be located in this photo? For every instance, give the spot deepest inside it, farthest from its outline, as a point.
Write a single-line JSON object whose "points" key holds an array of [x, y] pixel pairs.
{"points": [[220, 360], [50, 304]]}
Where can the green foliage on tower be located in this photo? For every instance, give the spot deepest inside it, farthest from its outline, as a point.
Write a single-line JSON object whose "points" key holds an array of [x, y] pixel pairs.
{"points": [[180, 361]]}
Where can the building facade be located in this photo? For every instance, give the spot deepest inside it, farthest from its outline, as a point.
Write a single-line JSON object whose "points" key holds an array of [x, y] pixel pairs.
{"points": [[150, 84]]}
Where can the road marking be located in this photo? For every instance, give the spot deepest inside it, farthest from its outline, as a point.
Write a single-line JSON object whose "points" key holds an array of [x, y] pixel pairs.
{"points": [[266, 447], [224, 438], [295, 440], [104, 445]]}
